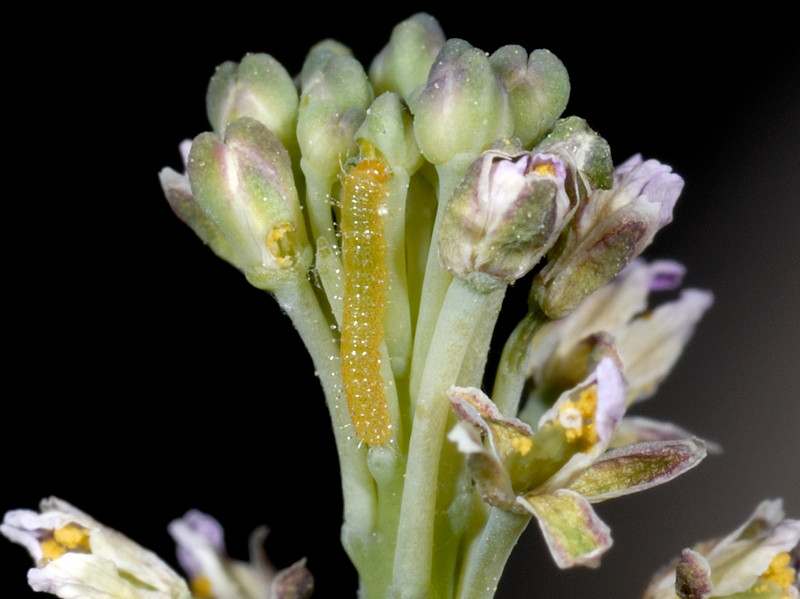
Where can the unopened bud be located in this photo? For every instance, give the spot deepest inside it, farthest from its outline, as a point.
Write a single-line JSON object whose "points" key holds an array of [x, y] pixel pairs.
{"points": [[389, 127], [258, 87], [334, 99], [538, 87], [404, 63], [585, 153], [244, 187], [608, 232], [464, 106]]}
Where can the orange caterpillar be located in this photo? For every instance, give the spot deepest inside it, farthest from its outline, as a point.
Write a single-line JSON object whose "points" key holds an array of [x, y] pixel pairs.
{"points": [[364, 190]]}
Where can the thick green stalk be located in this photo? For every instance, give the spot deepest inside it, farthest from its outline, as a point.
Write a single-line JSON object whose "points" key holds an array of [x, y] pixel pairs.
{"points": [[488, 553], [320, 204], [397, 319], [435, 284], [298, 300], [510, 378], [464, 306]]}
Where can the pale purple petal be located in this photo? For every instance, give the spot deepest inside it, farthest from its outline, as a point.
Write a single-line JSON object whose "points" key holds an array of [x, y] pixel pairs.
{"points": [[636, 429], [610, 399], [666, 275]]}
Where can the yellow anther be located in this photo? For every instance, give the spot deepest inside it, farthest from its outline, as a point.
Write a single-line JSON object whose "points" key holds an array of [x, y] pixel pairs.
{"points": [[587, 402], [545, 169], [72, 537], [780, 572], [279, 243], [201, 587], [67, 538], [577, 418], [522, 444], [51, 549]]}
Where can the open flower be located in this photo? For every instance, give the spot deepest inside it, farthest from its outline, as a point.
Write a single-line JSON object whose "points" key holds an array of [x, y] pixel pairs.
{"points": [[754, 561], [557, 471], [212, 574], [616, 320], [77, 557]]}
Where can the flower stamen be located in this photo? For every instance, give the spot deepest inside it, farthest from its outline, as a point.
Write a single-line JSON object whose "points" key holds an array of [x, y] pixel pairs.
{"points": [[545, 169], [65, 539], [780, 572], [577, 419]]}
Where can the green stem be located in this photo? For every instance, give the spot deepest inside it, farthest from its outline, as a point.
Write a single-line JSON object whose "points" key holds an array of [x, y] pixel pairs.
{"points": [[435, 284], [298, 300], [510, 378], [320, 204], [397, 318], [465, 305], [487, 554]]}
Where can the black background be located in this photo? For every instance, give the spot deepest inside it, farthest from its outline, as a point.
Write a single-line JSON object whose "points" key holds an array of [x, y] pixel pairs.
{"points": [[145, 377]]}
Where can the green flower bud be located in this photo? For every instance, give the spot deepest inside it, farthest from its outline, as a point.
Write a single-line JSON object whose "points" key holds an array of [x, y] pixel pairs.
{"points": [[258, 87], [586, 155], [244, 188], [404, 63], [327, 137], [333, 103], [463, 108], [504, 215], [538, 87], [389, 127], [318, 57], [330, 76], [178, 192]]}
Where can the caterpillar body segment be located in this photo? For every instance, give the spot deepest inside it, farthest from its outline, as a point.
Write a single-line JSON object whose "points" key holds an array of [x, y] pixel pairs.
{"points": [[362, 225]]}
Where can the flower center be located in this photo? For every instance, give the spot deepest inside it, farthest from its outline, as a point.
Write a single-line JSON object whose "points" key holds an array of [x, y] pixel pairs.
{"points": [[67, 538], [577, 419], [545, 169]]}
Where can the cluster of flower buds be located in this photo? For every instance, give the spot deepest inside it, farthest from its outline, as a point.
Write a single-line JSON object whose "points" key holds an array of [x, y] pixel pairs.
{"points": [[387, 209]]}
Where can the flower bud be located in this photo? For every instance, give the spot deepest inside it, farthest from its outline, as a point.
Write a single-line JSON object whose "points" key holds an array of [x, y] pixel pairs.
{"points": [[609, 230], [464, 106], [333, 103], [389, 127], [404, 63], [504, 215], [586, 155], [318, 57], [244, 188], [538, 87], [258, 87]]}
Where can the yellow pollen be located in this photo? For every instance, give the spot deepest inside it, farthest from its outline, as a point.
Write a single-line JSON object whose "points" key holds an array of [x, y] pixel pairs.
{"points": [[522, 444], [279, 244], [780, 572], [201, 587], [545, 169], [51, 549], [587, 402], [577, 418], [66, 538]]}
